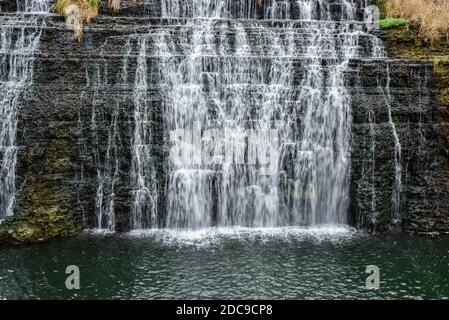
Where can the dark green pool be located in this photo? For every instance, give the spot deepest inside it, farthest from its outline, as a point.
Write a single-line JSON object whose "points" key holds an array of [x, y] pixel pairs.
{"points": [[229, 263]]}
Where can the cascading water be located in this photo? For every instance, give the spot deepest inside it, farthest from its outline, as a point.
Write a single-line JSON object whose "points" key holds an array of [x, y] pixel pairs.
{"points": [[274, 88], [34, 6], [144, 207], [105, 137], [19, 39], [108, 164]]}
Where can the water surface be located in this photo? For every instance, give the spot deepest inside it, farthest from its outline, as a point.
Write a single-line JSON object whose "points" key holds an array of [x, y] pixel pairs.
{"points": [[283, 263]]}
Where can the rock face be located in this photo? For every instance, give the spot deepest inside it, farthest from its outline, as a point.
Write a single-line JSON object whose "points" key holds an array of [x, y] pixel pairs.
{"points": [[426, 193], [76, 120], [422, 130]]}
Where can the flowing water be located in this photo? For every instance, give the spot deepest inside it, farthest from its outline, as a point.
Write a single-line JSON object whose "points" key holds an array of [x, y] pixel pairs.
{"points": [[19, 39], [143, 171], [107, 164], [34, 6], [397, 186], [260, 108], [256, 97]]}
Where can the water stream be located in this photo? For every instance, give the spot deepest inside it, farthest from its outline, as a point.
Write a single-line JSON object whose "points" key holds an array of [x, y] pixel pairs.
{"points": [[261, 110], [19, 40]]}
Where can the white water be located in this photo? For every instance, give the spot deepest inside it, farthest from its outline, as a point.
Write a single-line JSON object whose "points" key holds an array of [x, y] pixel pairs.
{"points": [[272, 75], [19, 39], [396, 216], [106, 138], [34, 6], [143, 174], [215, 236], [107, 164]]}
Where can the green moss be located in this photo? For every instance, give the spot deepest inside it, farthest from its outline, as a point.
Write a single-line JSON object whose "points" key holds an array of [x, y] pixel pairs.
{"points": [[59, 8], [391, 23], [45, 204], [94, 3], [58, 156]]}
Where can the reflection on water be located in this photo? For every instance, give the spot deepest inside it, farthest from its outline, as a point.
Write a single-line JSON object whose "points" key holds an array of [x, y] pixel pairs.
{"points": [[292, 263]]}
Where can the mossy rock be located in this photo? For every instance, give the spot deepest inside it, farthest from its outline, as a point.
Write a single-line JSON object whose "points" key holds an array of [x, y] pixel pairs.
{"points": [[45, 204], [37, 228]]}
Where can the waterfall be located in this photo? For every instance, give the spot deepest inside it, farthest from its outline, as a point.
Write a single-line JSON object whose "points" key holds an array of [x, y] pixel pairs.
{"points": [[257, 111], [34, 6], [143, 172], [107, 164], [101, 142], [19, 40]]}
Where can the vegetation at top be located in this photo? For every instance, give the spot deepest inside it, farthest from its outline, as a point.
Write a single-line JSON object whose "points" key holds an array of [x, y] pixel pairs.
{"points": [[431, 16], [78, 12]]}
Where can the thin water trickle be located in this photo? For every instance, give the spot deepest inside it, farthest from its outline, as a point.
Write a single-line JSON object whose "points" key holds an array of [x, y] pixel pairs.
{"points": [[107, 140], [143, 174], [108, 164], [396, 214]]}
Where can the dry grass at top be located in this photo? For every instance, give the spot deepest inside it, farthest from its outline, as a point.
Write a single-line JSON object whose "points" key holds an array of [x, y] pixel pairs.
{"points": [[77, 12], [432, 16]]}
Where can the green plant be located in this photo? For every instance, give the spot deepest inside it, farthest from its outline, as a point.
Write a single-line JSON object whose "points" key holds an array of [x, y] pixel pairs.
{"points": [[431, 16], [390, 23]]}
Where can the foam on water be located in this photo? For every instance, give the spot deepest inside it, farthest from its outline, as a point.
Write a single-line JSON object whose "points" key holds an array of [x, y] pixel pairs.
{"points": [[213, 236]]}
